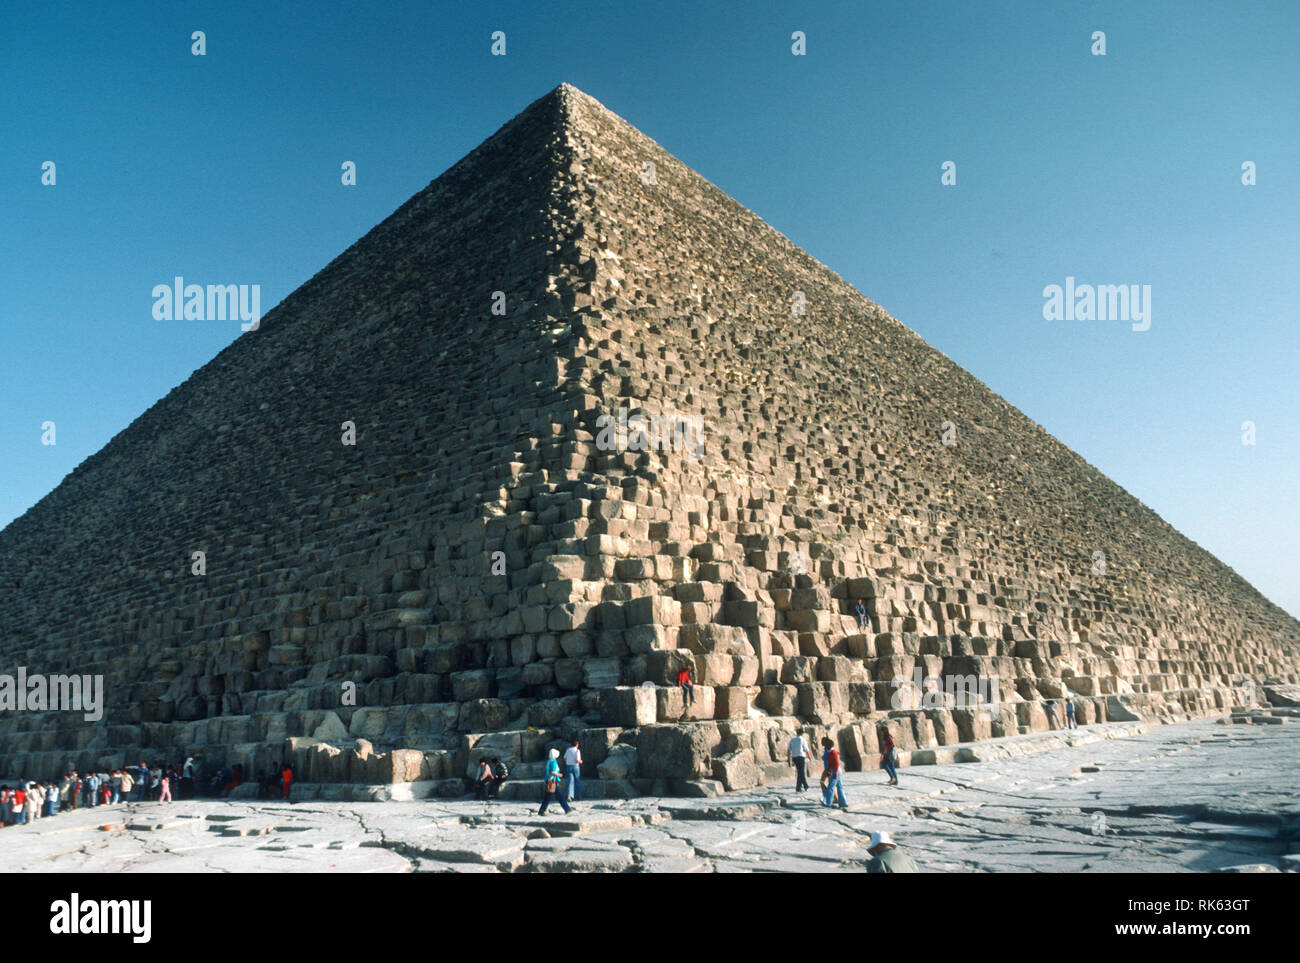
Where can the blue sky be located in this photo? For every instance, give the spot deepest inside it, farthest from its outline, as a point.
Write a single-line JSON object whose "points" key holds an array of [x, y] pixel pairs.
{"points": [[1122, 169]]}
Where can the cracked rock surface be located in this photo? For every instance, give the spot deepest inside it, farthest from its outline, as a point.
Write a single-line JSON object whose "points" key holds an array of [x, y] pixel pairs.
{"points": [[1200, 796]]}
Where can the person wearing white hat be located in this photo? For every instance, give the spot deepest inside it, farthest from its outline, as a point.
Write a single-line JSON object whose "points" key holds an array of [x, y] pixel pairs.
{"points": [[886, 856], [554, 784]]}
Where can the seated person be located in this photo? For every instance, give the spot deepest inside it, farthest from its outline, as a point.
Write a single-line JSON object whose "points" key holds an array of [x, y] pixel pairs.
{"points": [[499, 775], [483, 782]]}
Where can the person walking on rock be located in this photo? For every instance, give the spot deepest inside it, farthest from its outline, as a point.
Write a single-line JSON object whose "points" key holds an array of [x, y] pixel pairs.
{"points": [[1051, 714], [573, 770], [888, 755], [553, 784], [286, 781], [834, 773], [799, 753], [886, 856], [1070, 722]]}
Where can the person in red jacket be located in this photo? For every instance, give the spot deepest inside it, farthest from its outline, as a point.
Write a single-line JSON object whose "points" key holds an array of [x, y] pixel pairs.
{"points": [[286, 781], [887, 755], [833, 776], [686, 679]]}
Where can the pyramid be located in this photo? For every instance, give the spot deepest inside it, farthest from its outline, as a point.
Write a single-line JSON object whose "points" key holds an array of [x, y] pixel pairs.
{"points": [[608, 424]]}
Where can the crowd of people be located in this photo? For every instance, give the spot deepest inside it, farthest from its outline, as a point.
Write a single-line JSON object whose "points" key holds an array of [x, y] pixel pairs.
{"points": [[29, 800]]}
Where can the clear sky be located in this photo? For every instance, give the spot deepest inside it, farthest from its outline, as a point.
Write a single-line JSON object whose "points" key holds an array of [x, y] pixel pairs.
{"points": [[1116, 169]]}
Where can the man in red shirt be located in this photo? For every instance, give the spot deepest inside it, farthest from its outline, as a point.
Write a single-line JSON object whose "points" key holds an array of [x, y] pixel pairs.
{"points": [[286, 781], [686, 679], [834, 772]]}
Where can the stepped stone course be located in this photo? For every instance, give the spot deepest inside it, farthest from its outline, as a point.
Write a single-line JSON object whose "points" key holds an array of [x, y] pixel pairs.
{"points": [[482, 573]]}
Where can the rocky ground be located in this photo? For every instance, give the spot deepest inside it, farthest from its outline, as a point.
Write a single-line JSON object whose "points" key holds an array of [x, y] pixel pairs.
{"points": [[1201, 796]]}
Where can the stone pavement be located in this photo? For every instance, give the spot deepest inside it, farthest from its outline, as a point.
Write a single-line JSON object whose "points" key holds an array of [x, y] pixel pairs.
{"points": [[1200, 796]]}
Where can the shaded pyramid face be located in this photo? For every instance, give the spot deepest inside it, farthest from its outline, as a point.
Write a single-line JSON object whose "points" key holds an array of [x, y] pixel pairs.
{"points": [[685, 443]]}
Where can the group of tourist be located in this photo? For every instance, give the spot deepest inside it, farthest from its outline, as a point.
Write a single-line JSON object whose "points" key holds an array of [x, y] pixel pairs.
{"points": [[561, 787], [1050, 708], [29, 800], [832, 782]]}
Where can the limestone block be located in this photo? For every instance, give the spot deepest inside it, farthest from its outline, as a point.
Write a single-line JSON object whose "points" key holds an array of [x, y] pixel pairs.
{"points": [[715, 668], [653, 610], [746, 670], [820, 702], [676, 751], [799, 670], [834, 668], [779, 700], [619, 763], [732, 702], [630, 706], [736, 770], [642, 639]]}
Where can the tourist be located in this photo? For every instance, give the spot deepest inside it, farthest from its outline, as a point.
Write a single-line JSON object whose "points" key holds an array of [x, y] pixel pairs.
{"points": [[799, 751], [35, 797], [686, 679], [886, 856], [483, 781], [573, 770], [286, 781], [499, 775], [864, 620], [552, 785], [1070, 722], [128, 783], [888, 755], [164, 788], [187, 778], [834, 784], [90, 790], [105, 789], [51, 799], [18, 805], [1051, 714], [117, 785]]}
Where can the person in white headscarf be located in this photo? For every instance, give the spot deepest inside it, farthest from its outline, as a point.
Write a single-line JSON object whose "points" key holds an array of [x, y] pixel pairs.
{"points": [[554, 789]]}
